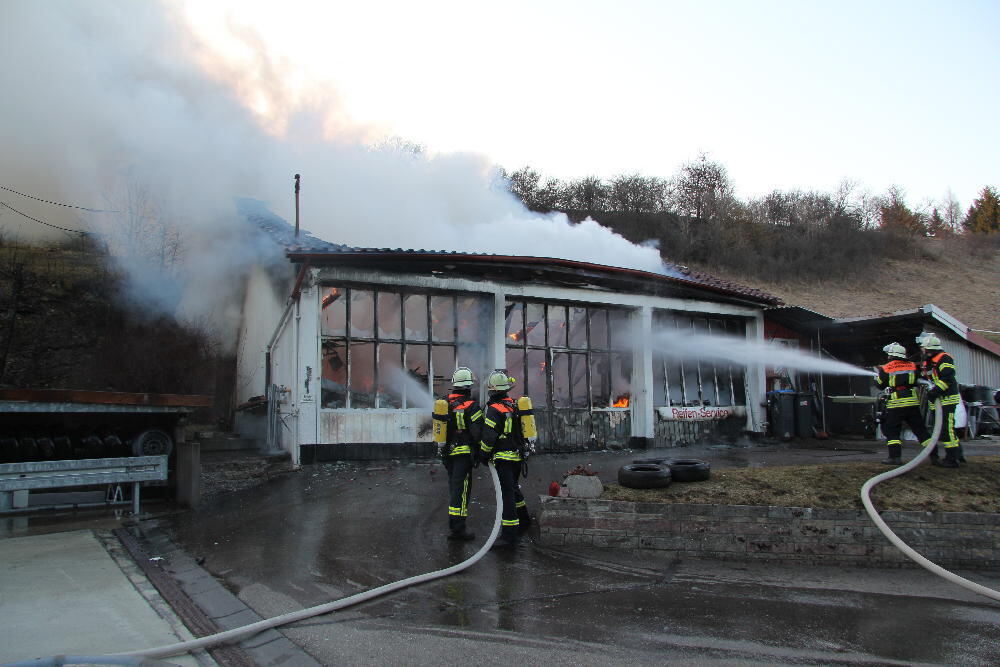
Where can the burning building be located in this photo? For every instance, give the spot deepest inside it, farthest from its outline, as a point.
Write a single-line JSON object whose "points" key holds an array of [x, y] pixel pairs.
{"points": [[350, 346]]}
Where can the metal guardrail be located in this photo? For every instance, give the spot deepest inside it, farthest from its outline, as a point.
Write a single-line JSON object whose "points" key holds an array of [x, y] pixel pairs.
{"points": [[84, 472]]}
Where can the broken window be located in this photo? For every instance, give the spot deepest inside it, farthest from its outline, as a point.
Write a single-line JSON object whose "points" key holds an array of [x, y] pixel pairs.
{"points": [[362, 315], [334, 318], [415, 315], [684, 379], [388, 315], [443, 318], [391, 349], [536, 377], [562, 353], [391, 380], [577, 325], [557, 326], [334, 377]]}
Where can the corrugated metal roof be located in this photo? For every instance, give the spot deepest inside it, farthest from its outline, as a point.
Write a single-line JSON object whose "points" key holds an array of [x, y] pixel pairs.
{"points": [[305, 245]]}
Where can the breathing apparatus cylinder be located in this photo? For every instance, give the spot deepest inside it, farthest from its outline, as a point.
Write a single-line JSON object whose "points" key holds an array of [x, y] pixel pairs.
{"points": [[528, 429], [440, 421]]}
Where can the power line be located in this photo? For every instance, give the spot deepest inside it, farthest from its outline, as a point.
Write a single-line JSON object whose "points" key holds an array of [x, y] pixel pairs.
{"points": [[55, 203], [42, 222]]}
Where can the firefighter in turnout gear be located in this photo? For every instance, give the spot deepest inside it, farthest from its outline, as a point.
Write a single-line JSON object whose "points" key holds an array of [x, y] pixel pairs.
{"points": [[939, 368], [898, 379], [503, 445], [464, 419]]}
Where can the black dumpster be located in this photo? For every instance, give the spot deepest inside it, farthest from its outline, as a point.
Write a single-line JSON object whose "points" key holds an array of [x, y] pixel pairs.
{"points": [[781, 413], [804, 414]]}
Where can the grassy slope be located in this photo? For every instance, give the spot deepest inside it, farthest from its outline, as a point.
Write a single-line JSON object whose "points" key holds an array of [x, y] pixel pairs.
{"points": [[963, 284]]}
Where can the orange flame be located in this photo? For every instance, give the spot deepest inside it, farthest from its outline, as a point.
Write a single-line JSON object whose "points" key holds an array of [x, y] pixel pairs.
{"points": [[621, 401], [332, 296], [514, 336]]}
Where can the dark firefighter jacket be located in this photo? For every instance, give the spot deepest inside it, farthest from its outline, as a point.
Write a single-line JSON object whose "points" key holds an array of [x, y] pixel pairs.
{"points": [[900, 378], [940, 369], [465, 422], [501, 439]]}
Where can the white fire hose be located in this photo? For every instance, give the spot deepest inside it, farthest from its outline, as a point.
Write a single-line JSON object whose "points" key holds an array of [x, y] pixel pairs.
{"points": [[898, 543], [131, 657]]}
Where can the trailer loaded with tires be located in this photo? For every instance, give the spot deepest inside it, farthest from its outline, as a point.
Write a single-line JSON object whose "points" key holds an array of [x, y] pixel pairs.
{"points": [[63, 439]]}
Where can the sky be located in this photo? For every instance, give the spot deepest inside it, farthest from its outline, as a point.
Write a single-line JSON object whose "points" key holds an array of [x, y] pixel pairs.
{"points": [[157, 115], [786, 94]]}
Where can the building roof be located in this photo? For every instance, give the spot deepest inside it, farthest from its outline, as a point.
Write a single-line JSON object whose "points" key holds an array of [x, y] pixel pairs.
{"points": [[306, 247], [902, 326]]}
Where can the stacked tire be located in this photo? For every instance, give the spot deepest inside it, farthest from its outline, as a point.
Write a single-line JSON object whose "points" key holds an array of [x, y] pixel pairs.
{"points": [[660, 472]]}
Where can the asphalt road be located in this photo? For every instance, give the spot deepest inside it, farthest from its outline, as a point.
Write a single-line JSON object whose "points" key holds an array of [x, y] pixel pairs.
{"points": [[331, 530]]}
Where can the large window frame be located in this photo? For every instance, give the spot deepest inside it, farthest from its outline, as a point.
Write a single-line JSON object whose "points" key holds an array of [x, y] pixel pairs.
{"points": [[388, 348], [677, 382], [569, 355]]}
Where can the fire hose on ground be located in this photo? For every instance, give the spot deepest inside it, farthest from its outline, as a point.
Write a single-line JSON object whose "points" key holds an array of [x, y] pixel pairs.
{"points": [[134, 657], [892, 537]]}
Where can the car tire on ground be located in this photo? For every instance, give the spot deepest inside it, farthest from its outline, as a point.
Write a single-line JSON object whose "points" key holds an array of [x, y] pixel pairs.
{"points": [[644, 476], [657, 461], [152, 442], [688, 470]]}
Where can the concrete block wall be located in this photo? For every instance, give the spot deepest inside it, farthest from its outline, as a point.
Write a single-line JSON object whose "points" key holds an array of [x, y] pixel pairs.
{"points": [[775, 534]]}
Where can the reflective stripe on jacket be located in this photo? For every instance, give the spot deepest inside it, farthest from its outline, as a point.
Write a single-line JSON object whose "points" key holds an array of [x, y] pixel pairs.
{"points": [[901, 378], [464, 416], [500, 431], [940, 370]]}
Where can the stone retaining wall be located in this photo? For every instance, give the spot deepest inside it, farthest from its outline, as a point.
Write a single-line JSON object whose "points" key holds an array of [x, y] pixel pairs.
{"points": [[776, 534]]}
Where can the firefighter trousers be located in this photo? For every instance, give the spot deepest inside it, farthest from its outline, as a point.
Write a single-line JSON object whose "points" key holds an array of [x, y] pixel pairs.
{"points": [[892, 424], [459, 467], [508, 473], [948, 437]]}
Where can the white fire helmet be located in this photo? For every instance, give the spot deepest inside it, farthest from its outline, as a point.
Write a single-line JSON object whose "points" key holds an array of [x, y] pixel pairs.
{"points": [[462, 377], [895, 350], [929, 341], [498, 381]]}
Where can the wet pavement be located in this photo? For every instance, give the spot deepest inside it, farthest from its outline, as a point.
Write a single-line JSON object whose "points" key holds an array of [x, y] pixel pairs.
{"points": [[331, 530]]}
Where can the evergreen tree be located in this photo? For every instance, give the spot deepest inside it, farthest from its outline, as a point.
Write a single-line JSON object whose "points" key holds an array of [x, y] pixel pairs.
{"points": [[984, 214]]}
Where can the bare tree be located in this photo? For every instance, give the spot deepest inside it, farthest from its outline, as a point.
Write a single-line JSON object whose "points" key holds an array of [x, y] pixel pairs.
{"points": [[589, 194], [951, 212], [701, 189], [142, 233], [634, 193]]}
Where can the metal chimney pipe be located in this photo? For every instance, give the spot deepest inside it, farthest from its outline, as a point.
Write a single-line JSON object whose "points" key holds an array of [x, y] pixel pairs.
{"points": [[296, 206]]}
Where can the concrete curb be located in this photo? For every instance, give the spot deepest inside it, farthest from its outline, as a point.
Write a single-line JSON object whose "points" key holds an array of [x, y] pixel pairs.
{"points": [[201, 600]]}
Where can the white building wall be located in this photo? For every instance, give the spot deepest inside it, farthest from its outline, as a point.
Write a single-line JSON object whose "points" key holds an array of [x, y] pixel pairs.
{"points": [[262, 307]]}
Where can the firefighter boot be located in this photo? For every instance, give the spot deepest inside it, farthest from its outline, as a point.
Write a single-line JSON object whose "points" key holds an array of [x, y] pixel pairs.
{"points": [[507, 539], [458, 532], [895, 455], [960, 456], [523, 518], [950, 457]]}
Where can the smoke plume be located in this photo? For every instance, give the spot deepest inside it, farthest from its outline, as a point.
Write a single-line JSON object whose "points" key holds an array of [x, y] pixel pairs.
{"points": [[122, 108]]}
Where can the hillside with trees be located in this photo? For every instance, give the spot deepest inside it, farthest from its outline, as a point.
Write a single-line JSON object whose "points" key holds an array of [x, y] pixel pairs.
{"points": [[843, 253]]}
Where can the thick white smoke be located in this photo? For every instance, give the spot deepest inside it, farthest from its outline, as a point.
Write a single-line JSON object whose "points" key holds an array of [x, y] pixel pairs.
{"points": [[118, 106]]}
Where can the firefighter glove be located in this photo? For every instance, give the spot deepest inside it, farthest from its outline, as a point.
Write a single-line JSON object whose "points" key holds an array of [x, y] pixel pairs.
{"points": [[934, 393]]}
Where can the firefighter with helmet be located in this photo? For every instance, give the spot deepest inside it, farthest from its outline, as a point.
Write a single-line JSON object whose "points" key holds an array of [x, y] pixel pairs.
{"points": [[939, 368], [503, 445], [458, 445], [897, 378]]}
